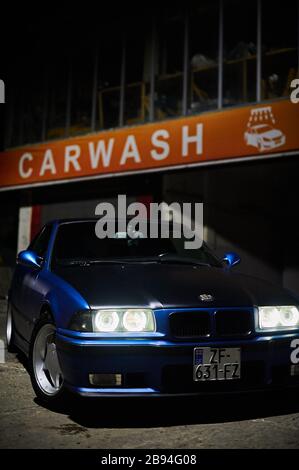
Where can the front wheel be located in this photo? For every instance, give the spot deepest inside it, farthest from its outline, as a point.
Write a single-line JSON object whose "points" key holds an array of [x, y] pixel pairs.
{"points": [[260, 146], [45, 371]]}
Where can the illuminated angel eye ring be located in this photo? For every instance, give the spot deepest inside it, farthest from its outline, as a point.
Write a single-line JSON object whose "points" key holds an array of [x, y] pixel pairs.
{"points": [[289, 316], [106, 320], [134, 320]]}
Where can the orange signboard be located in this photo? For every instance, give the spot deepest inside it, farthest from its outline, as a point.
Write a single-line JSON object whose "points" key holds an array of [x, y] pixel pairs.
{"points": [[258, 130]]}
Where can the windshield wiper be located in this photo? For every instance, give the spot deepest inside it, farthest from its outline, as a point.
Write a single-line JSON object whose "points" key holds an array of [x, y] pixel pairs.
{"points": [[170, 258], [163, 258], [88, 262]]}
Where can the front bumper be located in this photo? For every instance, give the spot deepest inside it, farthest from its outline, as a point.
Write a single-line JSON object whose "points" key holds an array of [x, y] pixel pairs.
{"points": [[157, 367], [269, 144]]}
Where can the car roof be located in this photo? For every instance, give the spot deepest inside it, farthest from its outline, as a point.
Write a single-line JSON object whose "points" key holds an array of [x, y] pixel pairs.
{"points": [[75, 219], [259, 126], [95, 219]]}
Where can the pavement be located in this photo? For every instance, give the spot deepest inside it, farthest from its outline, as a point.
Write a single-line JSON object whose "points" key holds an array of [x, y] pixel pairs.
{"points": [[249, 421]]}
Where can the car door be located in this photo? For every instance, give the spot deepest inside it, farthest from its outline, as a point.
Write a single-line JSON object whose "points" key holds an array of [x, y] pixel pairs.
{"points": [[27, 292]]}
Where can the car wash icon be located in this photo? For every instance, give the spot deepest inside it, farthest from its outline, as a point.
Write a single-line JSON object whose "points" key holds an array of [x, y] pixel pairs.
{"points": [[261, 131]]}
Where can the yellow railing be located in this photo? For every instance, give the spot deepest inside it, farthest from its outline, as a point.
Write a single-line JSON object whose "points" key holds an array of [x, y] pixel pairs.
{"points": [[196, 93]]}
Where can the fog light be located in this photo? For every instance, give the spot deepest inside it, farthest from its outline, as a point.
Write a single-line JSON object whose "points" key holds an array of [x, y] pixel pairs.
{"points": [[105, 380]]}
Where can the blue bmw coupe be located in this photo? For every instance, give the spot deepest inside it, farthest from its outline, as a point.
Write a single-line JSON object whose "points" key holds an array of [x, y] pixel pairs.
{"points": [[139, 316]]}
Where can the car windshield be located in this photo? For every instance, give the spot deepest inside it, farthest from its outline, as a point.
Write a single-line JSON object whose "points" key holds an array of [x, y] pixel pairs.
{"points": [[77, 243], [263, 128]]}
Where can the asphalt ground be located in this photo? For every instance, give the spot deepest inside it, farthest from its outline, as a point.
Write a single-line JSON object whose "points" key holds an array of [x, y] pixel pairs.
{"points": [[259, 421]]}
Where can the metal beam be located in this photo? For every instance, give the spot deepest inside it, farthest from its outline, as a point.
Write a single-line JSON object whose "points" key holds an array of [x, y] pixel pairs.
{"points": [[9, 119], [45, 106], [186, 64], [122, 81], [259, 52], [69, 100], [152, 72], [93, 118], [220, 56], [298, 36]]}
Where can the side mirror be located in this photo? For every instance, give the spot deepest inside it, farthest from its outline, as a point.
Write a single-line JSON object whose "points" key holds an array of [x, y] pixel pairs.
{"points": [[30, 259], [231, 259]]}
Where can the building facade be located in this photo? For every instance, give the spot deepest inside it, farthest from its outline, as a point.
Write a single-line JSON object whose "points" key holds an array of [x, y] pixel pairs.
{"points": [[185, 103]]}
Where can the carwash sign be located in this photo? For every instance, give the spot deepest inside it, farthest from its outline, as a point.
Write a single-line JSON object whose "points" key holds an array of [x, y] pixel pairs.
{"points": [[219, 136]]}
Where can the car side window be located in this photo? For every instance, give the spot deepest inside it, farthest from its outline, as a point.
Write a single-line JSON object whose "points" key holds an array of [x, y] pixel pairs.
{"points": [[40, 243]]}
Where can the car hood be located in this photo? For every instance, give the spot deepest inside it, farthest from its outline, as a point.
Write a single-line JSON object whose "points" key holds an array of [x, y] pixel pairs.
{"points": [[272, 134], [165, 286]]}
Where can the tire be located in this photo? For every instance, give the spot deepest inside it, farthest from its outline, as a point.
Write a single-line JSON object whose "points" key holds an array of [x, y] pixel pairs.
{"points": [[10, 331], [260, 146], [46, 376]]}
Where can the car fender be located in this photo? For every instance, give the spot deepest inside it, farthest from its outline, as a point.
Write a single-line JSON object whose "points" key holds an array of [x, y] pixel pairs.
{"points": [[62, 299]]}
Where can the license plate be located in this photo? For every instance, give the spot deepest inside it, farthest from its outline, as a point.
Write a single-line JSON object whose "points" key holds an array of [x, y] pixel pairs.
{"points": [[216, 364]]}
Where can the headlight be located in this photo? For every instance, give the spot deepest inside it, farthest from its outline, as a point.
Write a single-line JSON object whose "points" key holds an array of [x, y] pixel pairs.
{"points": [[106, 321], [278, 318], [135, 320], [114, 321], [289, 316]]}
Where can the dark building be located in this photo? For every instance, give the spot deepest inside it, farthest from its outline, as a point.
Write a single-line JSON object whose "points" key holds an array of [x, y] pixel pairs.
{"points": [[178, 103]]}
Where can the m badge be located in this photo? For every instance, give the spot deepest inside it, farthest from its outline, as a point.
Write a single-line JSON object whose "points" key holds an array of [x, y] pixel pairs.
{"points": [[206, 297]]}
